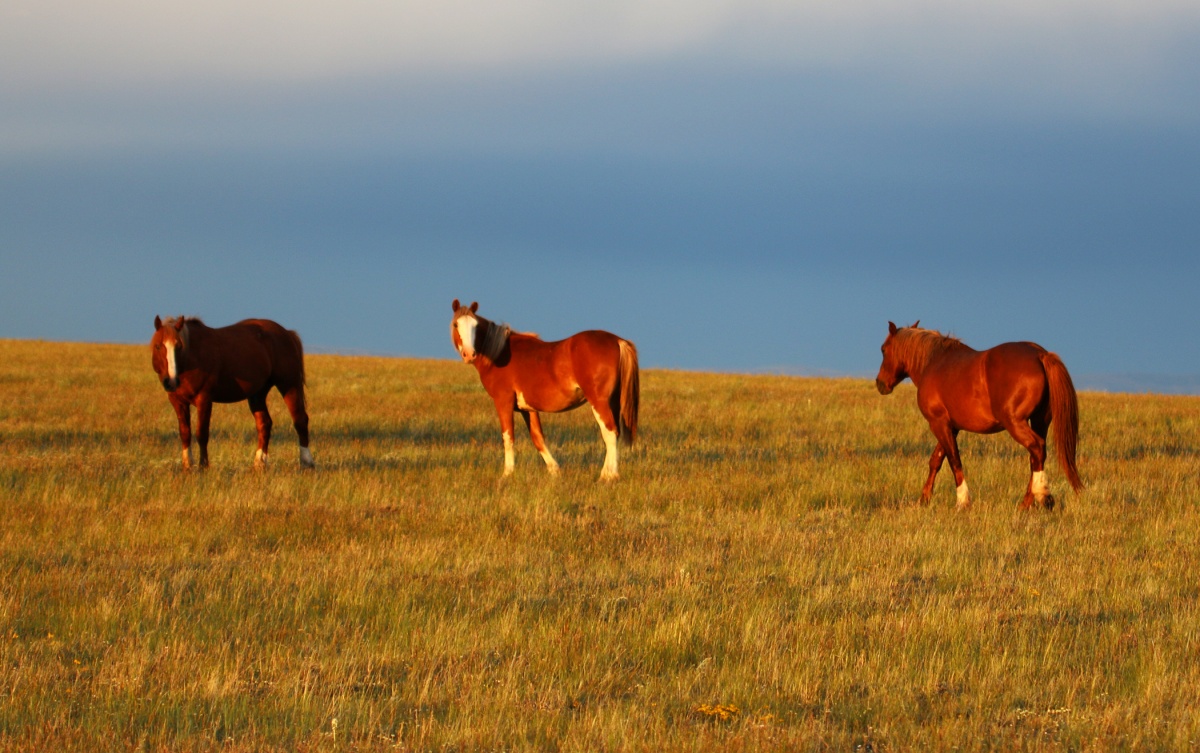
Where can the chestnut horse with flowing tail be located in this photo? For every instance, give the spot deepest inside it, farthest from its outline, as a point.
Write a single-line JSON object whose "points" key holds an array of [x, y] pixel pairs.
{"points": [[1018, 387], [198, 365], [523, 373]]}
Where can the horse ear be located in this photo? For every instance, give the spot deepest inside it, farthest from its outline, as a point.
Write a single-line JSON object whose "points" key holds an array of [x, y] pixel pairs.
{"points": [[891, 328], [914, 324], [474, 306], [454, 306], [157, 323], [179, 324]]}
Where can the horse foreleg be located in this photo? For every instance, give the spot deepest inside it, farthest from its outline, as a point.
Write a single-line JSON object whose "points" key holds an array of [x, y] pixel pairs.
{"points": [[935, 465], [262, 420], [294, 399], [533, 422], [203, 416], [183, 411], [505, 409], [947, 438], [608, 430]]}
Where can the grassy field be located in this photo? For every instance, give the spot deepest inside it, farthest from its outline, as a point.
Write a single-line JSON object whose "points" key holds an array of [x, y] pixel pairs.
{"points": [[760, 579]]}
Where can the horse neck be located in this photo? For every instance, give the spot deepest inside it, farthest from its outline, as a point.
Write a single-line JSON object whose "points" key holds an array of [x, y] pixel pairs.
{"points": [[921, 348], [195, 339]]}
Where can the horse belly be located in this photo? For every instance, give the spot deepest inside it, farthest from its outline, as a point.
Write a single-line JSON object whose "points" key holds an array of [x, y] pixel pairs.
{"points": [[234, 388], [549, 400]]}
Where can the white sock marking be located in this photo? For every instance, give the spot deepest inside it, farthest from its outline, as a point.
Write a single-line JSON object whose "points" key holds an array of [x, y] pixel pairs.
{"points": [[551, 463], [306, 458], [964, 494], [609, 471], [1039, 486], [508, 454]]}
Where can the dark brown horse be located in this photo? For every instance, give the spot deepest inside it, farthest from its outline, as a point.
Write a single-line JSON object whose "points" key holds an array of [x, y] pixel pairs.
{"points": [[199, 365], [1018, 387], [525, 374]]}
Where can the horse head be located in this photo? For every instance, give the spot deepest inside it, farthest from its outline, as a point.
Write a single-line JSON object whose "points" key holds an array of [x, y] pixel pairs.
{"points": [[168, 349], [893, 370], [462, 330]]}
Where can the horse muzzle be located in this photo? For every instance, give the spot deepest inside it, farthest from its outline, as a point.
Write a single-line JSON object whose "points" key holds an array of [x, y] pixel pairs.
{"points": [[883, 387], [169, 384], [467, 357]]}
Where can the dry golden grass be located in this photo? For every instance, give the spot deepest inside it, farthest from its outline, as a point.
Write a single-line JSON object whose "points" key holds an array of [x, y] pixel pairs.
{"points": [[760, 579]]}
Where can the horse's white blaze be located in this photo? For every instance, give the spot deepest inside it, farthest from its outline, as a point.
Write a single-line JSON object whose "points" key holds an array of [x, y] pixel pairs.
{"points": [[609, 471], [1038, 485], [306, 458], [508, 453], [171, 369], [964, 494], [466, 334]]}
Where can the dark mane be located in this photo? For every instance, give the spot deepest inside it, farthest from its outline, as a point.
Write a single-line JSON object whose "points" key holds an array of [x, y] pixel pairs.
{"points": [[494, 342], [170, 320]]}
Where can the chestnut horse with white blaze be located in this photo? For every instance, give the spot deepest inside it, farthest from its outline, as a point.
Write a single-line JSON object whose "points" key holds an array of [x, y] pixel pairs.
{"points": [[523, 373], [198, 365], [1018, 387]]}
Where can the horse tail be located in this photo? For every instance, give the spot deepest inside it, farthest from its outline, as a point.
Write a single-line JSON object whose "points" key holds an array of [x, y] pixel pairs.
{"points": [[295, 340], [630, 392], [1064, 414]]}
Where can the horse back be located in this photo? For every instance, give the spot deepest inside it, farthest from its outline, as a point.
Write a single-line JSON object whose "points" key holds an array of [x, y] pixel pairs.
{"points": [[555, 376], [254, 354], [283, 348], [1016, 365], [978, 386]]}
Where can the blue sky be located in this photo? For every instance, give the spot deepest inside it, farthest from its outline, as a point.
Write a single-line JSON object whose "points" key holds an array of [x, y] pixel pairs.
{"points": [[737, 186]]}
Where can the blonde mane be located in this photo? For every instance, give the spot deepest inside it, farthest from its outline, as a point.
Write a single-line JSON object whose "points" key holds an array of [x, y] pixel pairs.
{"points": [[914, 347], [183, 331]]}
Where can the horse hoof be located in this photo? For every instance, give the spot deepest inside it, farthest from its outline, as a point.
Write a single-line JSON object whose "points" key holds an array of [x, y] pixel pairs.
{"points": [[1048, 502], [306, 458]]}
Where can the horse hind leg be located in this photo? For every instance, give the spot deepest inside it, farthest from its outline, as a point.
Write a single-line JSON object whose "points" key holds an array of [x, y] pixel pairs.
{"points": [[533, 422], [1039, 488], [294, 399], [608, 430], [262, 421]]}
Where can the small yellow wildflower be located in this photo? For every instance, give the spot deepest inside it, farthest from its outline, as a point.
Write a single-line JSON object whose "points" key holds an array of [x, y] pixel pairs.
{"points": [[720, 712]]}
